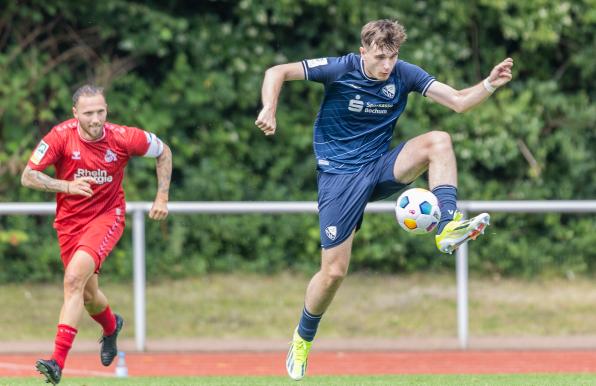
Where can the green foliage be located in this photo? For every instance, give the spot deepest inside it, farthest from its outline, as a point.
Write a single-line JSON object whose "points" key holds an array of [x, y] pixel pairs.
{"points": [[191, 72]]}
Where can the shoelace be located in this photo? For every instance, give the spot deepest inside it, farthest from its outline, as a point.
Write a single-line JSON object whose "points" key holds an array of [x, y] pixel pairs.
{"points": [[300, 351]]}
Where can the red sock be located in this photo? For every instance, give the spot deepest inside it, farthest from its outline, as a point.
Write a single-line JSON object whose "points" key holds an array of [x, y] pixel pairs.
{"points": [[107, 320], [64, 338]]}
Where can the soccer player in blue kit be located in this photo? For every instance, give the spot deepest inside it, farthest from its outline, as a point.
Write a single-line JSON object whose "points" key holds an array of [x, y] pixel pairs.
{"points": [[364, 96]]}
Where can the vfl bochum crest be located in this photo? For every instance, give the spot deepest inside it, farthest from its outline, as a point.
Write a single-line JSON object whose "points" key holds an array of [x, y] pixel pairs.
{"points": [[331, 232], [389, 90]]}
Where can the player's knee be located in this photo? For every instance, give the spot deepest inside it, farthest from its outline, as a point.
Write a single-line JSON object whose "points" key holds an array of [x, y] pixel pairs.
{"points": [[73, 283], [335, 273], [439, 141]]}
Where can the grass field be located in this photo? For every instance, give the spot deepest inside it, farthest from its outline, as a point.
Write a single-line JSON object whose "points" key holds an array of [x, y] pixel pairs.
{"points": [[430, 380], [239, 305]]}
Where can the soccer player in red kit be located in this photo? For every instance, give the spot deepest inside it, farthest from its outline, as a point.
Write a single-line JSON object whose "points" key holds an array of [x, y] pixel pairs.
{"points": [[89, 156]]}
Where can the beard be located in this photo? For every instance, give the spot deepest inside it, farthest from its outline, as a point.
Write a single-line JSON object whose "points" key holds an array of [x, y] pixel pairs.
{"points": [[94, 131]]}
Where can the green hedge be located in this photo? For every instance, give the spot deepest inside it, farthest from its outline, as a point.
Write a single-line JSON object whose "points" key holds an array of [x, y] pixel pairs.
{"points": [[192, 73]]}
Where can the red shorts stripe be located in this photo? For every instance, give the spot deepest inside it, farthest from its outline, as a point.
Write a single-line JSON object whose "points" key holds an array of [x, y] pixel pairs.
{"points": [[97, 238]]}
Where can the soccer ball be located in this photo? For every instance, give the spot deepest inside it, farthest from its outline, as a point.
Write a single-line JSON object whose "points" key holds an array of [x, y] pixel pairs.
{"points": [[417, 211]]}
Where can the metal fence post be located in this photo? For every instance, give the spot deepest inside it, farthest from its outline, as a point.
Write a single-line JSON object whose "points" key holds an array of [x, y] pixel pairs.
{"points": [[138, 246], [461, 267]]}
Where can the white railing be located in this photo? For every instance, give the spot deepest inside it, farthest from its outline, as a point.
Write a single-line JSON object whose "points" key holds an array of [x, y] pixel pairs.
{"points": [[138, 210]]}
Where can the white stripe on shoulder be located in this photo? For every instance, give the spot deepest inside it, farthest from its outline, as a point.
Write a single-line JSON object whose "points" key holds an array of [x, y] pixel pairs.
{"points": [[427, 86], [305, 69]]}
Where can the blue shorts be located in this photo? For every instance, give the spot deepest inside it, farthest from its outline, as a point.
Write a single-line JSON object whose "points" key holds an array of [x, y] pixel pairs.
{"points": [[343, 197]]}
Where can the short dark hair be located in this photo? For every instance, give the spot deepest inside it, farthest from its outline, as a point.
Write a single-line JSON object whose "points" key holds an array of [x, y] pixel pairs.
{"points": [[86, 90], [385, 34]]}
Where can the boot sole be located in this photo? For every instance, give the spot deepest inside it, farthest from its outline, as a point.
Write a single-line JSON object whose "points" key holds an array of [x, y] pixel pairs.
{"points": [[43, 370]]}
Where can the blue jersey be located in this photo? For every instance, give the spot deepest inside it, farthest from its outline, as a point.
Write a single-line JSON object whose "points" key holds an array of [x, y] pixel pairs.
{"points": [[355, 123]]}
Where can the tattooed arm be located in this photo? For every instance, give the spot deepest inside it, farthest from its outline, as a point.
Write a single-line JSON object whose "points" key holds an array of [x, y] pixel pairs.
{"points": [[37, 180], [163, 167]]}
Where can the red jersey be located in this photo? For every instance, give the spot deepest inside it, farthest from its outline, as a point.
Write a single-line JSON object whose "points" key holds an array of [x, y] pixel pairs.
{"points": [[103, 159]]}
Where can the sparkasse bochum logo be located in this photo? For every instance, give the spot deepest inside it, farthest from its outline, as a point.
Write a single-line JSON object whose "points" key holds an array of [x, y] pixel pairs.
{"points": [[356, 105]]}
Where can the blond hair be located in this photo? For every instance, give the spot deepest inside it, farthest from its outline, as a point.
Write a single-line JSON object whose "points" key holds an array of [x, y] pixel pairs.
{"points": [[385, 34]]}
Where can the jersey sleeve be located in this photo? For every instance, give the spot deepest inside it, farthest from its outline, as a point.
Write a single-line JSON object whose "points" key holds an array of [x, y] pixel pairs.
{"points": [[415, 78], [143, 143], [47, 152], [326, 70]]}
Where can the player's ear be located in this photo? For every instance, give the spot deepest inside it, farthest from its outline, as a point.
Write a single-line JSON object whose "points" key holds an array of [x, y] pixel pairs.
{"points": [[362, 51], [74, 111]]}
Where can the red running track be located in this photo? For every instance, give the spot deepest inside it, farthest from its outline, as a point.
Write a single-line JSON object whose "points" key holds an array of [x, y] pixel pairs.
{"points": [[322, 363]]}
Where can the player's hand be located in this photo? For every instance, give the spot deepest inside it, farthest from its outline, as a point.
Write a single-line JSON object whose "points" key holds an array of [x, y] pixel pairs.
{"points": [[266, 121], [501, 73], [80, 186], [159, 209]]}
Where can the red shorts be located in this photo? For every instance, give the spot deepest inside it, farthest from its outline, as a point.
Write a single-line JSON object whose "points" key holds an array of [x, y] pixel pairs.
{"points": [[97, 238]]}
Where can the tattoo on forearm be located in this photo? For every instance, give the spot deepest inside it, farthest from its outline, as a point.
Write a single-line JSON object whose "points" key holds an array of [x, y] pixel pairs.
{"points": [[41, 181], [164, 171]]}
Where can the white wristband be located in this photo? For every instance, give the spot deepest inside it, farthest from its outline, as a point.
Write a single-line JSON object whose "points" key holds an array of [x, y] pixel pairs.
{"points": [[489, 87]]}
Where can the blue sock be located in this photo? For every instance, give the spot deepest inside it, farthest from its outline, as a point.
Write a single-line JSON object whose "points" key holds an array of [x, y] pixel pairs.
{"points": [[447, 196], [307, 328]]}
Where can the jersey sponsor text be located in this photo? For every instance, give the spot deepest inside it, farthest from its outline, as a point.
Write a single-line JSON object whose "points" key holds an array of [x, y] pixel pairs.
{"points": [[101, 176]]}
